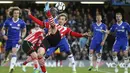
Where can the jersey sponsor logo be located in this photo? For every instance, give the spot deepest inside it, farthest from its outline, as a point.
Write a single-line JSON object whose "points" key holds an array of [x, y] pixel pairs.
{"points": [[122, 29], [17, 28], [99, 29]]}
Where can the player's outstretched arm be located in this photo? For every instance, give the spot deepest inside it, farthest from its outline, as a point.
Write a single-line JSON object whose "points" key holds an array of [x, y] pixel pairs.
{"points": [[76, 34], [39, 22]]}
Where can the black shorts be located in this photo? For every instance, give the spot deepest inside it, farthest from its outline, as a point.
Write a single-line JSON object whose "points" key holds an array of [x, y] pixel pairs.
{"points": [[27, 47], [45, 44], [54, 39]]}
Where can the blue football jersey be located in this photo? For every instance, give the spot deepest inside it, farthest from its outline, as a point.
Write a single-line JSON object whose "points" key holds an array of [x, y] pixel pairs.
{"points": [[14, 28], [98, 35], [121, 30]]}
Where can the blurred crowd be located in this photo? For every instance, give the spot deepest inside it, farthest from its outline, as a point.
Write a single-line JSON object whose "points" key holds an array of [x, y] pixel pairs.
{"points": [[80, 19]]}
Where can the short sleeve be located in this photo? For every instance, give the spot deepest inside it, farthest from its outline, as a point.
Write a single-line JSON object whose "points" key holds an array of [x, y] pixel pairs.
{"points": [[23, 25]]}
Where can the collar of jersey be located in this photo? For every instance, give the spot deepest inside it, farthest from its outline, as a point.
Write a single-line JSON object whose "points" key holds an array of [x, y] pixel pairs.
{"points": [[16, 20], [120, 23], [98, 24]]}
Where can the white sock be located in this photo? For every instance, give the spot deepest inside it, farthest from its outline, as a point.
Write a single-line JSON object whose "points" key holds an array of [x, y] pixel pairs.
{"points": [[98, 61], [91, 59], [71, 59], [13, 61], [115, 59], [126, 61]]}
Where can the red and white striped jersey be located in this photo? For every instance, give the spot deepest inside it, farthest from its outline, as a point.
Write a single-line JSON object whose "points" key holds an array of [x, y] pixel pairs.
{"points": [[35, 36], [63, 30]]}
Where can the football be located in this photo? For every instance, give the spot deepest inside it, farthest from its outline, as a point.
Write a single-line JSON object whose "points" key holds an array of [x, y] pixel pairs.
{"points": [[60, 6]]}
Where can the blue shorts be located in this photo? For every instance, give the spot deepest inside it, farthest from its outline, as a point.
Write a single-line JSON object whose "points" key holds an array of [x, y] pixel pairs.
{"points": [[96, 46], [120, 45], [11, 44], [63, 45]]}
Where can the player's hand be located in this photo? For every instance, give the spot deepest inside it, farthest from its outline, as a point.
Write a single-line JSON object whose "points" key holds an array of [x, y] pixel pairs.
{"points": [[85, 34], [20, 41], [107, 32], [5, 37], [46, 7], [29, 12], [102, 43]]}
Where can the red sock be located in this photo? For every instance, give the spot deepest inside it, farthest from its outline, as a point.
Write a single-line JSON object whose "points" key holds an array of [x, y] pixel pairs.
{"points": [[24, 63], [35, 62], [42, 64], [56, 63], [35, 66], [29, 59]]}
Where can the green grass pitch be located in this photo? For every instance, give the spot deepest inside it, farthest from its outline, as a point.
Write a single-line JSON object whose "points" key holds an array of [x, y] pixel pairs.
{"points": [[62, 70]]}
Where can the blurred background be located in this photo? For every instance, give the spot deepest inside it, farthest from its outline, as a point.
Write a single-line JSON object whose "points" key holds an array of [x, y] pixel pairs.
{"points": [[81, 15]]}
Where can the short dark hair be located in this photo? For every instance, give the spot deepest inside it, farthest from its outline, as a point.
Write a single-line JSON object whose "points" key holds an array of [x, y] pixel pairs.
{"points": [[63, 14], [12, 9], [118, 13]]}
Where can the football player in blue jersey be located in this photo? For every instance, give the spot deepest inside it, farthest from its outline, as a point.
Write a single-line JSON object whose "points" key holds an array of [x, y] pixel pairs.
{"points": [[121, 30], [99, 31], [16, 30]]}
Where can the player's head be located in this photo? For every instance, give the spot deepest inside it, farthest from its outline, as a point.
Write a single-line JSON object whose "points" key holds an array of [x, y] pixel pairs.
{"points": [[14, 12], [53, 11], [62, 18], [98, 18], [118, 17]]}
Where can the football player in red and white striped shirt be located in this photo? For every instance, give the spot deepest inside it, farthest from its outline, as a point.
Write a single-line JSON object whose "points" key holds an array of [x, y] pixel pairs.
{"points": [[31, 48], [56, 35]]}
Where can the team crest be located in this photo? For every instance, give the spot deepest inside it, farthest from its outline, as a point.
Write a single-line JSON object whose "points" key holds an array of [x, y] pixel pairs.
{"points": [[18, 25], [123, 27]]}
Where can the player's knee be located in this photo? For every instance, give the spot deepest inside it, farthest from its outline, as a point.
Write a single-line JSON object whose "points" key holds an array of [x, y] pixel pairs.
{"points": [[41, 51], [125, 53], [114, 54], [91, 51], [14, 50], [98, 55]]}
